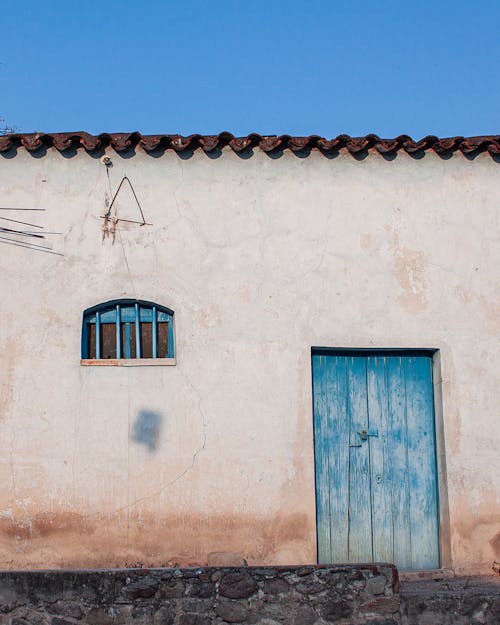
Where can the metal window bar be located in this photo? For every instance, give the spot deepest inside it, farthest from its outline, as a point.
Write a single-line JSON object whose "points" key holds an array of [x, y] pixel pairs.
{"points": [[137, 332], [118, 332], [124, 318], [98, 334], [155, 333], [127, 351], [170, 337]]}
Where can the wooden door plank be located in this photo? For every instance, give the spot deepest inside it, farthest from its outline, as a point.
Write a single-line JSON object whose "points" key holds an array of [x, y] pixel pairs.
{"points": [[398, 461], [321, 453], [360, 531], [339, 460], [380, 476], [422, 463]]}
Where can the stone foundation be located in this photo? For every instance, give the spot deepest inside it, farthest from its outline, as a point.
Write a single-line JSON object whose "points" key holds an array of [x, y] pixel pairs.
{"points": [[203, 596], [455, 601], [312, 595]]}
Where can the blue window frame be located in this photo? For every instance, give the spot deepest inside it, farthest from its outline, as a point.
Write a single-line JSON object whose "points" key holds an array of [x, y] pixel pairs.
{"points": [[127, 329]]}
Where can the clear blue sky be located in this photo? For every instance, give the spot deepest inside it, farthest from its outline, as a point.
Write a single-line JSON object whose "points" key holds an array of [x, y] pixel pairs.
{"points": [[270, 66]]}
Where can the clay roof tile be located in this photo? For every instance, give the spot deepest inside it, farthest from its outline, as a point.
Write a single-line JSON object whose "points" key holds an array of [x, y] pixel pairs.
{"points": [[122, 142]]}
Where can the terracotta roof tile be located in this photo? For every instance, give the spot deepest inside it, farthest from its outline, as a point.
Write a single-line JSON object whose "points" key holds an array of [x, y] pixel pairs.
{"points": [[122, 142]]}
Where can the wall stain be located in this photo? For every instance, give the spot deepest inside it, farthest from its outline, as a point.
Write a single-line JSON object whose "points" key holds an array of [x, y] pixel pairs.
{"points": [[70, 539], [366, 241], [463, 295], [476, 532], [208, 318], [146, 429], [409, 270], [44, 524], [495, 543]]}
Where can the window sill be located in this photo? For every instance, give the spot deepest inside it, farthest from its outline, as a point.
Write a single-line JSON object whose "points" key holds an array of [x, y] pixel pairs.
{"points": [[128, 362]]}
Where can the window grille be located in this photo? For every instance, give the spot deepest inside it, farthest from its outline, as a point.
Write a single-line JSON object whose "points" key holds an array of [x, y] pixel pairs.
{"points": [[127, 329]]}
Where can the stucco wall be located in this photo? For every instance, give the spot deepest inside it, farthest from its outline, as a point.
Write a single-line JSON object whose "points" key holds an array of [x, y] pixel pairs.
{"points": [[260, 259]]}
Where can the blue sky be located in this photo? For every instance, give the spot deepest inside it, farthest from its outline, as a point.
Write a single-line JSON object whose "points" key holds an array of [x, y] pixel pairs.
{"points": [[270, 66]]}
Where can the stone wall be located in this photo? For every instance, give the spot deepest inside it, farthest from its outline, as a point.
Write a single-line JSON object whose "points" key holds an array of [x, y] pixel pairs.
{"points": [[456, 601], [308, 595], [202, 596]]}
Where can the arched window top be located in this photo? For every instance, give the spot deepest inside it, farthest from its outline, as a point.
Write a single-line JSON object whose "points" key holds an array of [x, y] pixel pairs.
{"points": [[128, 331]]}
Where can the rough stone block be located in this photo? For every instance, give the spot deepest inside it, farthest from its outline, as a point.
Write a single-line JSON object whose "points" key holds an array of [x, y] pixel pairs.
{"points": [[37, 618], [72, 609], [172, 589], [197, 605], [194, 619], [375, 585], [141, 589], [382, 605], [198, 588], [239, 585], [336, 610], [303, 615], [164, 616], [99, 616], [304, 570], [310, 585], [276, 586], [8, 598], [231, 611], [57, 620]]}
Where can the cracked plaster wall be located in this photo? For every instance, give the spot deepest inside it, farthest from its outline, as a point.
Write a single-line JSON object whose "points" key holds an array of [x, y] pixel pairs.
{"points": [[260, 259]]}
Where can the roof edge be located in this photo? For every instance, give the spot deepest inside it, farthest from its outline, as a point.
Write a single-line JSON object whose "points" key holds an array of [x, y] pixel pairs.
{"points": [[124, 142]]}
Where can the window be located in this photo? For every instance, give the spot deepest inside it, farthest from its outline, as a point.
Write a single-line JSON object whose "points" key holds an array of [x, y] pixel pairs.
{"points": [[128, 330]]}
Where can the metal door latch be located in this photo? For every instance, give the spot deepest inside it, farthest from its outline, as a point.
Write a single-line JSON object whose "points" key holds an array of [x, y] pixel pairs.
{"points": [[364, 434]]}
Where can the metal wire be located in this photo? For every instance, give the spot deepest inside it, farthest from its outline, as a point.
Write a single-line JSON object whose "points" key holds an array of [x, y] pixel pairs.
{"points": [[24, 223], [126, 179], [22, 233], [29, 246]]}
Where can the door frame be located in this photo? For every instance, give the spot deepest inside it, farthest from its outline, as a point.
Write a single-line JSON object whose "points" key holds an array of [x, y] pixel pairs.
{"points": [[444, 534]]}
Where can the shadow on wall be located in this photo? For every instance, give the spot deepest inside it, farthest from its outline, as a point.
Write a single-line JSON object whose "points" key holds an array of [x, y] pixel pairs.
{"points": [[146, 429]]}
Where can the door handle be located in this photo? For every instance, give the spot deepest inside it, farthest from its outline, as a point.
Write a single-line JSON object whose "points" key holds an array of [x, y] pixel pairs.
{"points": [[364, 434]]}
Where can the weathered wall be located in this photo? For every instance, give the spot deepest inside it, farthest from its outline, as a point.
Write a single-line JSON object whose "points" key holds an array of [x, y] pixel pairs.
{"points": [[260, 259]]}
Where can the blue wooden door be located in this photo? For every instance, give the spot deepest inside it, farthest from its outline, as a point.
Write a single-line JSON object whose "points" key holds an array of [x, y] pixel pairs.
{"points": [[375, 453]]}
